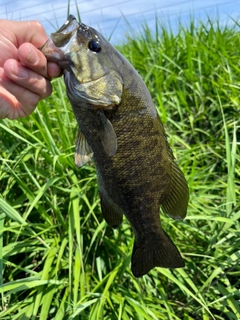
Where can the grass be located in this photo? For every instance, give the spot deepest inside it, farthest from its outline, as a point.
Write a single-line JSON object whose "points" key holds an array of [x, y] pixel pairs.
{"points": [[59, 259]]}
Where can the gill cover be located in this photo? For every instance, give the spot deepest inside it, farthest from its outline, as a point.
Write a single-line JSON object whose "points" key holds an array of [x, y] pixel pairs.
{"points": [[96, 80], [103, 92]]}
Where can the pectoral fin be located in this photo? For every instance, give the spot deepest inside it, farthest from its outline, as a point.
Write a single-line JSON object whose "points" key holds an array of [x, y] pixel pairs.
{"points": [[83, 152], [175, 204], [107, 135]]}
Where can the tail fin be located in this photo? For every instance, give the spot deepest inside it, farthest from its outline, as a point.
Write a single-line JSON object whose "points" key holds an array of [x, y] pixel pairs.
{"points": [[156, 251]]}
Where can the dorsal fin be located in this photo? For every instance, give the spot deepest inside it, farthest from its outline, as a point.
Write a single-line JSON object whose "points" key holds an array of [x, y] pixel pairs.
{"points": [[175, 204]]}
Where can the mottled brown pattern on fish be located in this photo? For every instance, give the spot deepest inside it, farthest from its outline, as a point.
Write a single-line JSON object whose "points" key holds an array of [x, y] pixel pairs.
{"points": [[136, 172], [135, 166], [138, 176]]}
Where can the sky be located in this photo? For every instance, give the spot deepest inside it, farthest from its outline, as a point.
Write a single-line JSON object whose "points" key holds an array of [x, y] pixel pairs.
{"points": [[114, 18]]}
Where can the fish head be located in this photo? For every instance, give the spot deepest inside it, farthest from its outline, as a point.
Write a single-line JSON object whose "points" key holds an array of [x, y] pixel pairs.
{"points": [[87, 58]]}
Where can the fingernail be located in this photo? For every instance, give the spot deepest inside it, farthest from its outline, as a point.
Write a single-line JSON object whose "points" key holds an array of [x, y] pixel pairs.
{"points": [[32, 56], [18, 70]]}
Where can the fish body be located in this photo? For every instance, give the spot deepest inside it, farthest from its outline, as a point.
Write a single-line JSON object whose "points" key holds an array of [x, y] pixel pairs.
{"points": [[120, 130]]}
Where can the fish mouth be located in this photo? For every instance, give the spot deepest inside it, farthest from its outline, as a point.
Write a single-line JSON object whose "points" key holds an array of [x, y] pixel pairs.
{"points": [[62, 36], [55, 47], [54, 54], [68, 24]]}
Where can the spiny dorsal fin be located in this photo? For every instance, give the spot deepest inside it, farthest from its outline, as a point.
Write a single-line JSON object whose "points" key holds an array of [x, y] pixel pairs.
{"points": [[83, 151], [175, 204], [107, 135]]}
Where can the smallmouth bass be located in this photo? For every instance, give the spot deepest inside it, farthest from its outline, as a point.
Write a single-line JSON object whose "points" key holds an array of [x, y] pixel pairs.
{"points": [[120, 130]]}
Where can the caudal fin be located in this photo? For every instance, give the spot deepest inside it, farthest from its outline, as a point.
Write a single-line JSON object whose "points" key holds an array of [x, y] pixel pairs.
{"points": [[156, 251]]}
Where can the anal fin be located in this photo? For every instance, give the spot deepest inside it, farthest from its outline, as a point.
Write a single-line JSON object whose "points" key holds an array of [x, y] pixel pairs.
{"points": [[111, 213], [83, 152]]}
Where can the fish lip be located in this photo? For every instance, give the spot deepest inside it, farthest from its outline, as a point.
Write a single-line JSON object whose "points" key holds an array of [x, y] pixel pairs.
{"points": [[54, 54], [64, 34], [54, 47], [66, 23], [64, 64], [51, 52]]}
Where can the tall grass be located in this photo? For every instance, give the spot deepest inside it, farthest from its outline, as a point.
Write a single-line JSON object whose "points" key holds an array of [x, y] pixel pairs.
{"points": [[59, 259]]}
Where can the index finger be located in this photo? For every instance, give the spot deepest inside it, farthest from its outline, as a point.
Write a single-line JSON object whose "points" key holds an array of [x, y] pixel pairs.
{"points": [[20, 32], [33, 58], [33, 32]]}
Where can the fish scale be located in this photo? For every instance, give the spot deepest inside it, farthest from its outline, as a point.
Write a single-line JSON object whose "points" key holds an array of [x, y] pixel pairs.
{"points": [[120, 130]]}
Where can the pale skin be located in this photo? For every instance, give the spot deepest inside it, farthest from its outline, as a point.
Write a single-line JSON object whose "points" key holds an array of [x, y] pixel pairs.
{"points": [[25, 74]]}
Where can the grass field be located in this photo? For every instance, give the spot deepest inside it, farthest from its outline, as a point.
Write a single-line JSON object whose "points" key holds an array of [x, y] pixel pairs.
{"points": [[59, 259]]}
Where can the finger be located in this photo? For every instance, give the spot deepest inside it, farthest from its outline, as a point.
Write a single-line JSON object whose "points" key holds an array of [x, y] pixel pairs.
{"points": [[33, 31], [7, 104], [17, 101], [10, 107], [32, 58], [24, 31], [25, 80], [54, 70]]}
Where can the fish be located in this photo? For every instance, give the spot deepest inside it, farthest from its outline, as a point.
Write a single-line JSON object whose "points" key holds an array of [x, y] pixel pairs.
{"points": [[120, 130]]}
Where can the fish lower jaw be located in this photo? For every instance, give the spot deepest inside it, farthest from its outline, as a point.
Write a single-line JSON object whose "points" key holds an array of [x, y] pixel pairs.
{"points": [[64, 64]]}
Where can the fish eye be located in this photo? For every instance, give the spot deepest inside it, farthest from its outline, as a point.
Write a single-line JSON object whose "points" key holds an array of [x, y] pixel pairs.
{"points": [[94, 46]]}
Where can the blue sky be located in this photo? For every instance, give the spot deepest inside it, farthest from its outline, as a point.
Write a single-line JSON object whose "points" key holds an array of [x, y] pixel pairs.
{"points": [[109, 15]]}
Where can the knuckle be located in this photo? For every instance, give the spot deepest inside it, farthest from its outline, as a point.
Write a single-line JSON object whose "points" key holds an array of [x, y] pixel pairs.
{"points": [[47, 90], [41, 86], [36, 25], [29, 102], [34, 100], [27, 98]]}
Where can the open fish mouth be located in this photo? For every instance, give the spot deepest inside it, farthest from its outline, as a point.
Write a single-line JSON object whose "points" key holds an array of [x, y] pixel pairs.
{"points": [[68, 24], [62, 36], [55, 47]]}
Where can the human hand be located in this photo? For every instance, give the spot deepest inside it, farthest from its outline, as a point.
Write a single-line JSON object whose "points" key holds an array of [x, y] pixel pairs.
{"points": [[25, 74]]}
